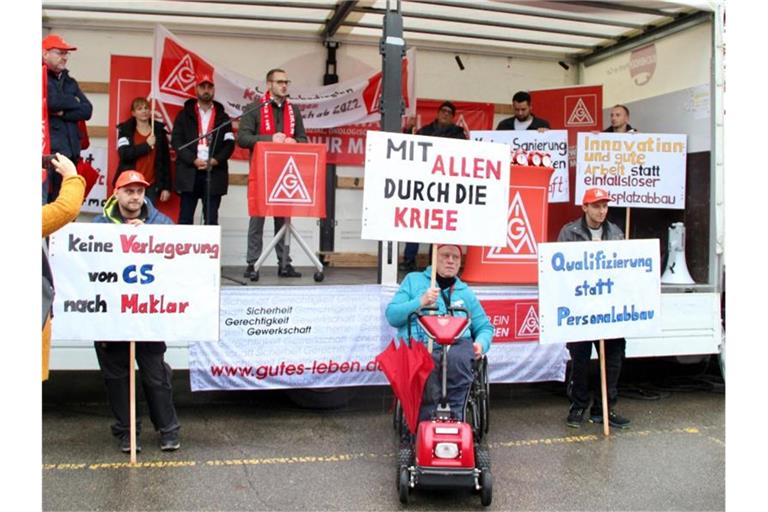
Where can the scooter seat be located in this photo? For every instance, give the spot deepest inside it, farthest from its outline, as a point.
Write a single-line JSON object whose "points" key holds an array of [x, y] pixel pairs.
{"points": [[445, 329]]}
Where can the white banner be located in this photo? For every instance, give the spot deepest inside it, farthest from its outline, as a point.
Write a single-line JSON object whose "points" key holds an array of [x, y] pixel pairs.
{"points": [[639, 170], [552, 142], [97, 157], [594, 290], [435, 190], [175, 68], [328, 336], [118, 282]]}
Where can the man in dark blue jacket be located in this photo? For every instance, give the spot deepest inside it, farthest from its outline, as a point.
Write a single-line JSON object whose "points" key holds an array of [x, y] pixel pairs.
{"points": [[67, 105], [128, 206]]}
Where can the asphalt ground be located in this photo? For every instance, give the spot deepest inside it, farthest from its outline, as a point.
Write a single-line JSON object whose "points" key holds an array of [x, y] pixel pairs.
{"points": [[315, 450]]}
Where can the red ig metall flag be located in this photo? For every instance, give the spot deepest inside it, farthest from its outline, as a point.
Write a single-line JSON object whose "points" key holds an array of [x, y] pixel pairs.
{"points": [[287, 180], [517, 261], [46, 135]]}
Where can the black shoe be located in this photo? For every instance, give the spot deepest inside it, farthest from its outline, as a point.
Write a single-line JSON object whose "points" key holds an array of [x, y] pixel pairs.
{"points": [[170, 441], [288, 271], [575, 417], [251, 274], [407, 265], [125, 443], [614, 420]]}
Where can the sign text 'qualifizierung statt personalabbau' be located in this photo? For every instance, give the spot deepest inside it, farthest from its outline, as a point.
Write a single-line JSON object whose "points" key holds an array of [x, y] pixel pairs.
{"points": [[598, 290], [435, 190], [136, 283]]}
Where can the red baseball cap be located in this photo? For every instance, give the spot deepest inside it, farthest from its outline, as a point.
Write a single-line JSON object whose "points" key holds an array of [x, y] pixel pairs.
{"points": [[130, 178], [203, 78], [52, 41], [595, 195]]}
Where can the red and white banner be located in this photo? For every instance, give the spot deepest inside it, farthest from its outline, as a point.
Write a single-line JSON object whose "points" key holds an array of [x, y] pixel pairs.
{"points": [[513, 320], [576, 109], [175, 66], [516, 262], [287, 180]]}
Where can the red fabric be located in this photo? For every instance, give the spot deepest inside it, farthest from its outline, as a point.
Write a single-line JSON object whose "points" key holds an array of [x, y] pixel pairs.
{"points": [[91, 175], [517, 261], [287, 180], [267, 124], [46, 136], [145, 164], [85, 142], [407, 369]]}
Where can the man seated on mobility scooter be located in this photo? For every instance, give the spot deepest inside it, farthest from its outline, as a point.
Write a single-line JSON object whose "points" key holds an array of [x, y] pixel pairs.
{"points": [[415, 293]]}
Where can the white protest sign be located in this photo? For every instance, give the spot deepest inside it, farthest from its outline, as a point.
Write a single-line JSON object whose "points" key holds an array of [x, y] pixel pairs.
{"points": [[117, 282], [552, 142], [598, 290], [435, 190], [639, 170]]}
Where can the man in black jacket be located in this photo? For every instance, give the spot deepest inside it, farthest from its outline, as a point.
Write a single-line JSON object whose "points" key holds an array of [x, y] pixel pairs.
{"points": [[67, 106], [593, 226], [442, 126], [202, 170], [523, 119], [620, 120]]}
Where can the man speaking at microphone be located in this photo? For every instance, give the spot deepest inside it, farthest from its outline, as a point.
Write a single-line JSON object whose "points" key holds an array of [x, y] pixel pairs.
{"points": [[271, 119], [202, 170]]}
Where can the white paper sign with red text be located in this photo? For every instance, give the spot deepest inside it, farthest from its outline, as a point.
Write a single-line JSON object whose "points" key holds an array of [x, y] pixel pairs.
{"points": [[435, 190], [118, 282]]}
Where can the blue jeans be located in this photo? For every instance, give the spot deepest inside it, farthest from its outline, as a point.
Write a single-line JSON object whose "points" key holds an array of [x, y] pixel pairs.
{"points": [[459, 380]]}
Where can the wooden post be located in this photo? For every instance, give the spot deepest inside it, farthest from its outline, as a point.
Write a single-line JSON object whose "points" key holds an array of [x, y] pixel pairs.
{"points": [[432, 284], [626, 224], [132, 395], [604, 388]]}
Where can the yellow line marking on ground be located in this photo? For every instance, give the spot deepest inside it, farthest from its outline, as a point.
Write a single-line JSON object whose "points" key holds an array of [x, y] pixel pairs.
{"points": [[347, 457]]}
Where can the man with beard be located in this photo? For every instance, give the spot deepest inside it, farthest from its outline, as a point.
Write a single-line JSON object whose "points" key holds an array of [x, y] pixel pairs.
{"points": [[523, 118], [271, 119], [129, 206], [67, 106], [593, 226], [202, 171]]}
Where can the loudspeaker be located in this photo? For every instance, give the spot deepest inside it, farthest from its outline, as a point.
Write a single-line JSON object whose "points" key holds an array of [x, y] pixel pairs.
{"points": [[677, 270]]}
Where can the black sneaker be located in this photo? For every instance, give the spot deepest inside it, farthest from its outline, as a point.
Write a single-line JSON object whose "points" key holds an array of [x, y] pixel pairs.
{"points": [[575, 417], [614, 420], [170, 441], [125, 443], [407, 266], [251, 274], [288, 271]]}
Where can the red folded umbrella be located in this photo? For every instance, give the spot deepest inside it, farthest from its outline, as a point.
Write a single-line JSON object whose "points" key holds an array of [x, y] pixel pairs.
{"points": [[87, 171], [407, 369]]}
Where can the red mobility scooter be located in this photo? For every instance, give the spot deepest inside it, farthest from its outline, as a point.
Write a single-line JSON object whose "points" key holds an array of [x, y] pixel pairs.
{"points": [[446, 452]]}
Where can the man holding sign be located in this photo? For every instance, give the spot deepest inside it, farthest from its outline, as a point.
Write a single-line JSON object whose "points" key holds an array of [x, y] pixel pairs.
{"points": [[416, 292], [128, 206], [593, 226]]}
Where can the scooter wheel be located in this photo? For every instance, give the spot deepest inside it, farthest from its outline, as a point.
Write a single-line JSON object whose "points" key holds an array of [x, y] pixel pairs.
{"points": [[319, 276], [404, 486], [486, 487]]}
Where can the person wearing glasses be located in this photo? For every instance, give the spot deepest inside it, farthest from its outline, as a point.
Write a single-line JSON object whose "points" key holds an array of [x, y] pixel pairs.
{"points": [[272, 118], [67, 106], [441, 126]]}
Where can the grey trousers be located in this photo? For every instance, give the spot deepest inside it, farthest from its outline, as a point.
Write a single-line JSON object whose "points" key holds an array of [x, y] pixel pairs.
{"points": [[256, 241]]}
